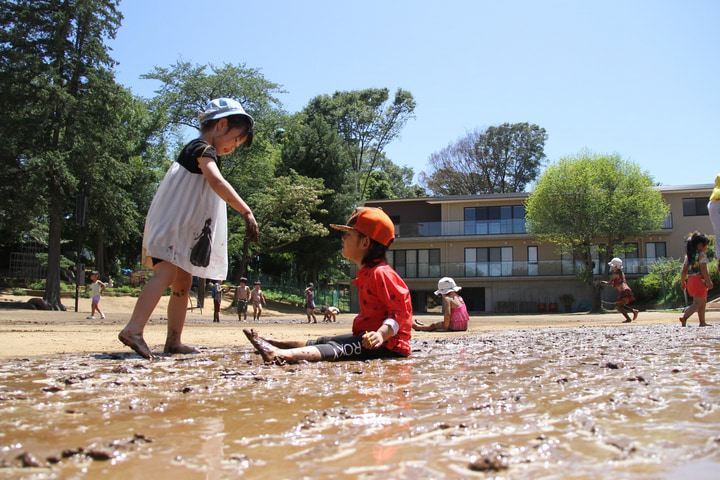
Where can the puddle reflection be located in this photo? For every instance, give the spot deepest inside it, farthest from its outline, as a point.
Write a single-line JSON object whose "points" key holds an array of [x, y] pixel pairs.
{"points": [[557, 403]]}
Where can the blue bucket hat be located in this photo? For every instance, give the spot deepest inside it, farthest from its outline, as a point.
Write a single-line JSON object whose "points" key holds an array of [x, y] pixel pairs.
{"points": [[222, 107]]}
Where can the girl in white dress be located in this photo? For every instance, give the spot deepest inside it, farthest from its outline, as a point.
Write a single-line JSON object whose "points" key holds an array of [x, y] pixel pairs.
{"points": [[186, 225]]}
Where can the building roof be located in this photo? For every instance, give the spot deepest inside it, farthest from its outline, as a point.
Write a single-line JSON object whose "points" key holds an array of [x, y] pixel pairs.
{"points": [[498, 196]]}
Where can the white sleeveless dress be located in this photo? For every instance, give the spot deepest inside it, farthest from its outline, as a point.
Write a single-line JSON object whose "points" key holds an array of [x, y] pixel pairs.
{"points": [[186, 224]]}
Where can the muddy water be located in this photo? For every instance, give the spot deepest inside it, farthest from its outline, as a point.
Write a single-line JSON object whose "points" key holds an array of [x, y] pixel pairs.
{"points": [[581, 403]]}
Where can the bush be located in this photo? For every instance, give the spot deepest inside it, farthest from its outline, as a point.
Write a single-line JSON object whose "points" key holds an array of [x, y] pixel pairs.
{"points": [[19, 291], [662, 283]]}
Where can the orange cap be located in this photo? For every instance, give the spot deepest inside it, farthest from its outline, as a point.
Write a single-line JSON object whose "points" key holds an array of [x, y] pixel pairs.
{"points": [[372, 222]]}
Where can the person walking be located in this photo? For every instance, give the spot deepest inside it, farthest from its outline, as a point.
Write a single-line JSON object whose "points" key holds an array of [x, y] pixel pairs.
{"points": [[625, 293], [310, 303], [695, 277], [97, 288]]}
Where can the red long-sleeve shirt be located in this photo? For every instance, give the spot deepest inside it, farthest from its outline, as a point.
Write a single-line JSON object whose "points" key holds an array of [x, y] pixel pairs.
{"points": [[382, 295]]}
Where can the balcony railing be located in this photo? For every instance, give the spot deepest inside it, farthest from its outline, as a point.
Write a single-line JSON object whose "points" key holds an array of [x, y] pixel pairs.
{"points": [[633, 266], [445, 229], [510, 226]]}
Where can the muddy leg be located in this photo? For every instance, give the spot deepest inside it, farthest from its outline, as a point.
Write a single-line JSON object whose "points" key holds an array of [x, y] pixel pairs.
{"points": [[264, 348], [132, 334], [177, 311], [701, 312]]}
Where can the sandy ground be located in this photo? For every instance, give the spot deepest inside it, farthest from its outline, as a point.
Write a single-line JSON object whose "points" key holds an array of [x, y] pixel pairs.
{"points": [[25, 332]]}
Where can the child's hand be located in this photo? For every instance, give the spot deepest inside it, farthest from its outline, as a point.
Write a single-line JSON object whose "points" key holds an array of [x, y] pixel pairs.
{"points": [[251, 227], [372, 340]]}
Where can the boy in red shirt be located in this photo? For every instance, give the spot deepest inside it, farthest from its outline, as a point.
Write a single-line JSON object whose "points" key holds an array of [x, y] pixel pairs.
{"points": [[383, 327]]}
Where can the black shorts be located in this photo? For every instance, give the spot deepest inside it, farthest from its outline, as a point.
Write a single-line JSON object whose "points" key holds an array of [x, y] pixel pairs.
{"points": [[348, 347], [242, 306]]}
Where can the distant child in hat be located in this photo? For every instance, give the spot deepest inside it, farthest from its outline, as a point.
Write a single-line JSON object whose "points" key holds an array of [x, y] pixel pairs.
{"points": [[310, 303], [186, 225], [625, 294], [383, 327], [456, 314], [695, 277]]}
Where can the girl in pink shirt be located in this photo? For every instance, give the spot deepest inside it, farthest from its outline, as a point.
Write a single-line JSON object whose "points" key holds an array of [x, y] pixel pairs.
{"points": [[456, 314]]}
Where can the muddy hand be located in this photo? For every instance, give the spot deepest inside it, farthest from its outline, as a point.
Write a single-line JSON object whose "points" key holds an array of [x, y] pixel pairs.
{"points": [[251, 227]]}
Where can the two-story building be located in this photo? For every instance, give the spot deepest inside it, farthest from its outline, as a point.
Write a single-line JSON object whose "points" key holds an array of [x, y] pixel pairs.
{"points": [[481, 241]]}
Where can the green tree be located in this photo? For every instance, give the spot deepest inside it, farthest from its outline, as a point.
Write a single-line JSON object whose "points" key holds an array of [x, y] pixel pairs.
{"points": [[367, 121], [285, 211], [590, 201], [313, 148], [501, 159], [392, 181], [58, 72]]}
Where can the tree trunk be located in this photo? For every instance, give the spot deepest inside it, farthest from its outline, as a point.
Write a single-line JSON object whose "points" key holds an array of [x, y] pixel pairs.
{"points": [[100, 254], [242, 272], [597, 299], [201, 292], [52, 282]]}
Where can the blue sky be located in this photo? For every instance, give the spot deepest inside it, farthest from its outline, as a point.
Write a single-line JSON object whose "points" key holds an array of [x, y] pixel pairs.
{"points": [[638, 78]]}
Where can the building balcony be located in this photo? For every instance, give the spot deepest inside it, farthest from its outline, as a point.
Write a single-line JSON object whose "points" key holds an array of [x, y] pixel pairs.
{"points": [[509, 226], [547, 268], [460, 228]]}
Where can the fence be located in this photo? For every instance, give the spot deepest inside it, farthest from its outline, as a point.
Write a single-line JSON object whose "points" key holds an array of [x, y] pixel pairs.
{"points": [[335, 294], [24, 264]]}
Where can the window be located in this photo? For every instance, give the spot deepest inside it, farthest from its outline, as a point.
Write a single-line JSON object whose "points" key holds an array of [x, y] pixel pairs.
{"points": [[532, 260], [423, 263], [693, 207], [396, 221], [488, 262], [494, 220], [630, 259], [668, 224], [655, 250]]}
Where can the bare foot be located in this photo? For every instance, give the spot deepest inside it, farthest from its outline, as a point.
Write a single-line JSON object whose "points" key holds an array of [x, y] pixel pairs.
{"points": [[635, 314], [262, 346], [627, 320], [683, 322], [137, 343], [180, 348], [704, 325]]}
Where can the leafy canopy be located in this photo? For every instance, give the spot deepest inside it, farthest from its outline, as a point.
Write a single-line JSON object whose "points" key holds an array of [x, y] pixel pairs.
{"points": [[503, 159], [588, 201]]}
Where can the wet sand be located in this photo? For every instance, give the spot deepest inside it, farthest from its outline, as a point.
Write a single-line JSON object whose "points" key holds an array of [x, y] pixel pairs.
{"points": [[532, 396]]}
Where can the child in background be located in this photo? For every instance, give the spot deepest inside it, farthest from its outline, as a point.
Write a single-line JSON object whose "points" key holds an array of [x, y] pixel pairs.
{"points": [[625, 293], [242, 295], [698, 278], [186, 225], [310, 302], [456, 314], [382, 329], [330, 313], [258, 300], [97, 288], [217, 291]]}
